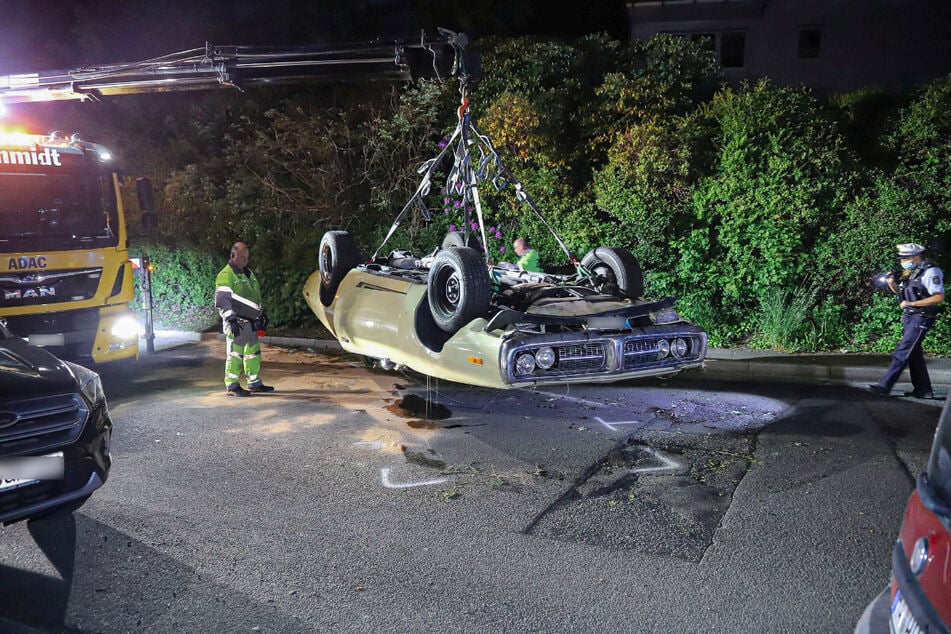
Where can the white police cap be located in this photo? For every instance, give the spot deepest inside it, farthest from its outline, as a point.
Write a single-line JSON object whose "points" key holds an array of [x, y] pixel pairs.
{"points": [[909, 250]]}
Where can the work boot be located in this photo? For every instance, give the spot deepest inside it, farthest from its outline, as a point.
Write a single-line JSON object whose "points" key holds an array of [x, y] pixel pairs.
{"points": [[875, 388], [237, 390], [260, 387], [920, 394]]}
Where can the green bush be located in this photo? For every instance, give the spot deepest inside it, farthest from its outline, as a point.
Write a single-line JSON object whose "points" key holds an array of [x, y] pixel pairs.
{"points": [[780, 179], [183, 286]]}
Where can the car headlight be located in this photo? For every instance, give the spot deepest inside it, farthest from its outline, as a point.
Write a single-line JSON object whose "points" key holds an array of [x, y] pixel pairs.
{"points": [[126, 328], [678, 347], [524, 363], [89, 382], [663, 349], [545, 358]]}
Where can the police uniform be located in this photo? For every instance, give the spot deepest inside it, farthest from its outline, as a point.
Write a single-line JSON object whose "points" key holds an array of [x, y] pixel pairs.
{"points": [[922, 280], [238, 300]]}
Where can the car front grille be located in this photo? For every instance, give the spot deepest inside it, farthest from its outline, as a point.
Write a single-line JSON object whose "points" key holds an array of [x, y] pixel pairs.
{"points": [[608, 355], [48, 287], [580, 357], [40, 424], [644, 351], [638, 351]]}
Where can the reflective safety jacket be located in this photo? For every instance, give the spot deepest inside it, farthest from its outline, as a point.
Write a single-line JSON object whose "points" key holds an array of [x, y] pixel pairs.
{"points": [[913, 287], [237, 293], [529, 261]]}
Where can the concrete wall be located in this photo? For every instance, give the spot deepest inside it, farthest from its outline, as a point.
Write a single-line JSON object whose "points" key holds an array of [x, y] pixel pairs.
{"points": [[890, 44]]}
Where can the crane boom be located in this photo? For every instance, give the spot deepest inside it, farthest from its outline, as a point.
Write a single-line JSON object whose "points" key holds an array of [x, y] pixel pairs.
{"points": [[239, 66]]}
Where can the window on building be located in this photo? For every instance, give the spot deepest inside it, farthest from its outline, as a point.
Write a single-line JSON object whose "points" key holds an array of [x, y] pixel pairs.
{"points": [[810, 43], [707, 40], [732, 49]]}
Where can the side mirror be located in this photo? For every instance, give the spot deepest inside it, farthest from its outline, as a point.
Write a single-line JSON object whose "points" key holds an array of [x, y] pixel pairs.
{"points": [[143, 187]]}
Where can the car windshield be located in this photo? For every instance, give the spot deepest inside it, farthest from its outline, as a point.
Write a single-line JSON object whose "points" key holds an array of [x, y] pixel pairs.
{"points": [[67, 210], [939, 467]]}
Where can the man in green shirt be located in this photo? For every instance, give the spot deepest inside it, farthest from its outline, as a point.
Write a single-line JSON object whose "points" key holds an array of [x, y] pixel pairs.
{"points": [[527, 256], [238, 300]]}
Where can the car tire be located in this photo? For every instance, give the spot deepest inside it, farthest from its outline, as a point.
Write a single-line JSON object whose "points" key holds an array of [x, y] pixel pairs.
{"points": [[618, 267], [458, 288], [336, 256], [459, 239]]}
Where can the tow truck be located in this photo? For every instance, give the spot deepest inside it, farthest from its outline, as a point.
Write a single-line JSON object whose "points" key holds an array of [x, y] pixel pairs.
{"points": [[66, 280]]}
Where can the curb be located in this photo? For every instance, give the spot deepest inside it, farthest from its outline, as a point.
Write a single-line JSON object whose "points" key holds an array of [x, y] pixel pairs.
{"points": [[817, 372]]}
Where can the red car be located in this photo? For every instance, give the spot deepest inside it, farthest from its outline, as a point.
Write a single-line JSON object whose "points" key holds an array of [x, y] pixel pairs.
{"points": [[918, 600]]}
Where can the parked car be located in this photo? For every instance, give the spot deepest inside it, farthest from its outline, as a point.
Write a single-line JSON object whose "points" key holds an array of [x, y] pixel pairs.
{"points": [[55, 431], [454, 314], [918, 599]]}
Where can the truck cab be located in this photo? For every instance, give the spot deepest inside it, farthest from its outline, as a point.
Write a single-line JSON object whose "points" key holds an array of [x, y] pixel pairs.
{"points": [[65, 276]]}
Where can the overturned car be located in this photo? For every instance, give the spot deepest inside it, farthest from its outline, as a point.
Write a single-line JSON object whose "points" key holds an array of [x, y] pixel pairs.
{"points": [[453, 314]]}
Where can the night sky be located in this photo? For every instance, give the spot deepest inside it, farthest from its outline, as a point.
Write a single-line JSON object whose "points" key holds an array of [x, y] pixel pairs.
{"points": [[60, 34]]}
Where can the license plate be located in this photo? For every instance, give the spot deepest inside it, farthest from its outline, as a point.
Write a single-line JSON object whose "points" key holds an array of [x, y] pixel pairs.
{"points": [[20, 472], [902, 621], [9, 485]]}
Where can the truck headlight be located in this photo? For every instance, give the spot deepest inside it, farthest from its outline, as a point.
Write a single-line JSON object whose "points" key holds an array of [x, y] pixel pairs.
{"points": [[125, 328]]}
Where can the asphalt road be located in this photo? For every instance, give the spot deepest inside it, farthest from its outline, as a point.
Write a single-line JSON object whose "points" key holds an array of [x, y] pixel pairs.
{"points": [[352, 500]]}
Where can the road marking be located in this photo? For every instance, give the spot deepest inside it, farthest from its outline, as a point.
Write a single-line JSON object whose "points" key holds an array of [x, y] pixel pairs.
{"points": [[385, 479], [376, 444], [612, 427], [576, 399], [669, 465]]}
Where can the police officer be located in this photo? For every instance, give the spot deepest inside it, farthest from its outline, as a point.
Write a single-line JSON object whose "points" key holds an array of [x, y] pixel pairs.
{"points": [[238, 300], [919, 291]]}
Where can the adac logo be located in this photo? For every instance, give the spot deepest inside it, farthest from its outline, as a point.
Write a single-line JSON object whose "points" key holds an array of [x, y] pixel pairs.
{"points": [[27, 262]]}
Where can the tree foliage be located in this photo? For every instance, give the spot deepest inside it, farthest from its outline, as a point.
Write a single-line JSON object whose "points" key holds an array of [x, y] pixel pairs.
{"points": [[731, 197]]}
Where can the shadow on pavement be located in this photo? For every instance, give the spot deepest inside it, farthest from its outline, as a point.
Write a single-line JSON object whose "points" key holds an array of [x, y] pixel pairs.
{"points": [[109, 581]]}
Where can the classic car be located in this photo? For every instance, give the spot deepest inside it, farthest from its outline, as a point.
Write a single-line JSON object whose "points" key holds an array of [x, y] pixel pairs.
{"points": [[55, 431], [454, 314]]}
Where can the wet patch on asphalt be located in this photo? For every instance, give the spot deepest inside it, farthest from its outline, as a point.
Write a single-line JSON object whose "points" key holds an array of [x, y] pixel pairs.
{"points": [[657, 493]]}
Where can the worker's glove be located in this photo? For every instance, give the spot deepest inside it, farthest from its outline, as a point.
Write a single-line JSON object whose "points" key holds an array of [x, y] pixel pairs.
{"points": [[233, 325]]}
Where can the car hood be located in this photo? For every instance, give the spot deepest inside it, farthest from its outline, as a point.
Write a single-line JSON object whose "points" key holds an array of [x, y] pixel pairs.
{"points": [[27, 371]]}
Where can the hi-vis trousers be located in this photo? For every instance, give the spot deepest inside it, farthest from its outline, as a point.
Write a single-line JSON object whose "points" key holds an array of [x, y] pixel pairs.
{"points": [[244, 353]]}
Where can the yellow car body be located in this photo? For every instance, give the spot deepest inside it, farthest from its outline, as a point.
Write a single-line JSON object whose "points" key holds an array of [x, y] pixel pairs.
{"points": [[383, 313]]}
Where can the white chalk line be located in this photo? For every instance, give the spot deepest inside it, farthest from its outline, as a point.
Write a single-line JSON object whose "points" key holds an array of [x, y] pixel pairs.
{"points": [[389, 484], [669, 465], [612, 427]]}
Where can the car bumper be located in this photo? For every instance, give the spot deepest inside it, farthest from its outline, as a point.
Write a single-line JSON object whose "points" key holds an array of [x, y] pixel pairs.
{"points": [[86, 464], [593, 357]]}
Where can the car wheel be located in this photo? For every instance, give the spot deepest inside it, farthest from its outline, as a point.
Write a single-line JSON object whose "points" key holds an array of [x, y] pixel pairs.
{"points": [[458, 288], [459, 239], [615, 267], [337, 255]]}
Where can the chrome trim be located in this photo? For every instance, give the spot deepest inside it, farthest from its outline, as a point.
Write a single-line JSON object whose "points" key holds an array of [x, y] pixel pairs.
{"points": [[613, 345]]}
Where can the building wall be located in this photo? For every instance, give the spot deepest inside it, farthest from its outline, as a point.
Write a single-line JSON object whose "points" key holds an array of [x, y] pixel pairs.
{"points": [[890, 44]]}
